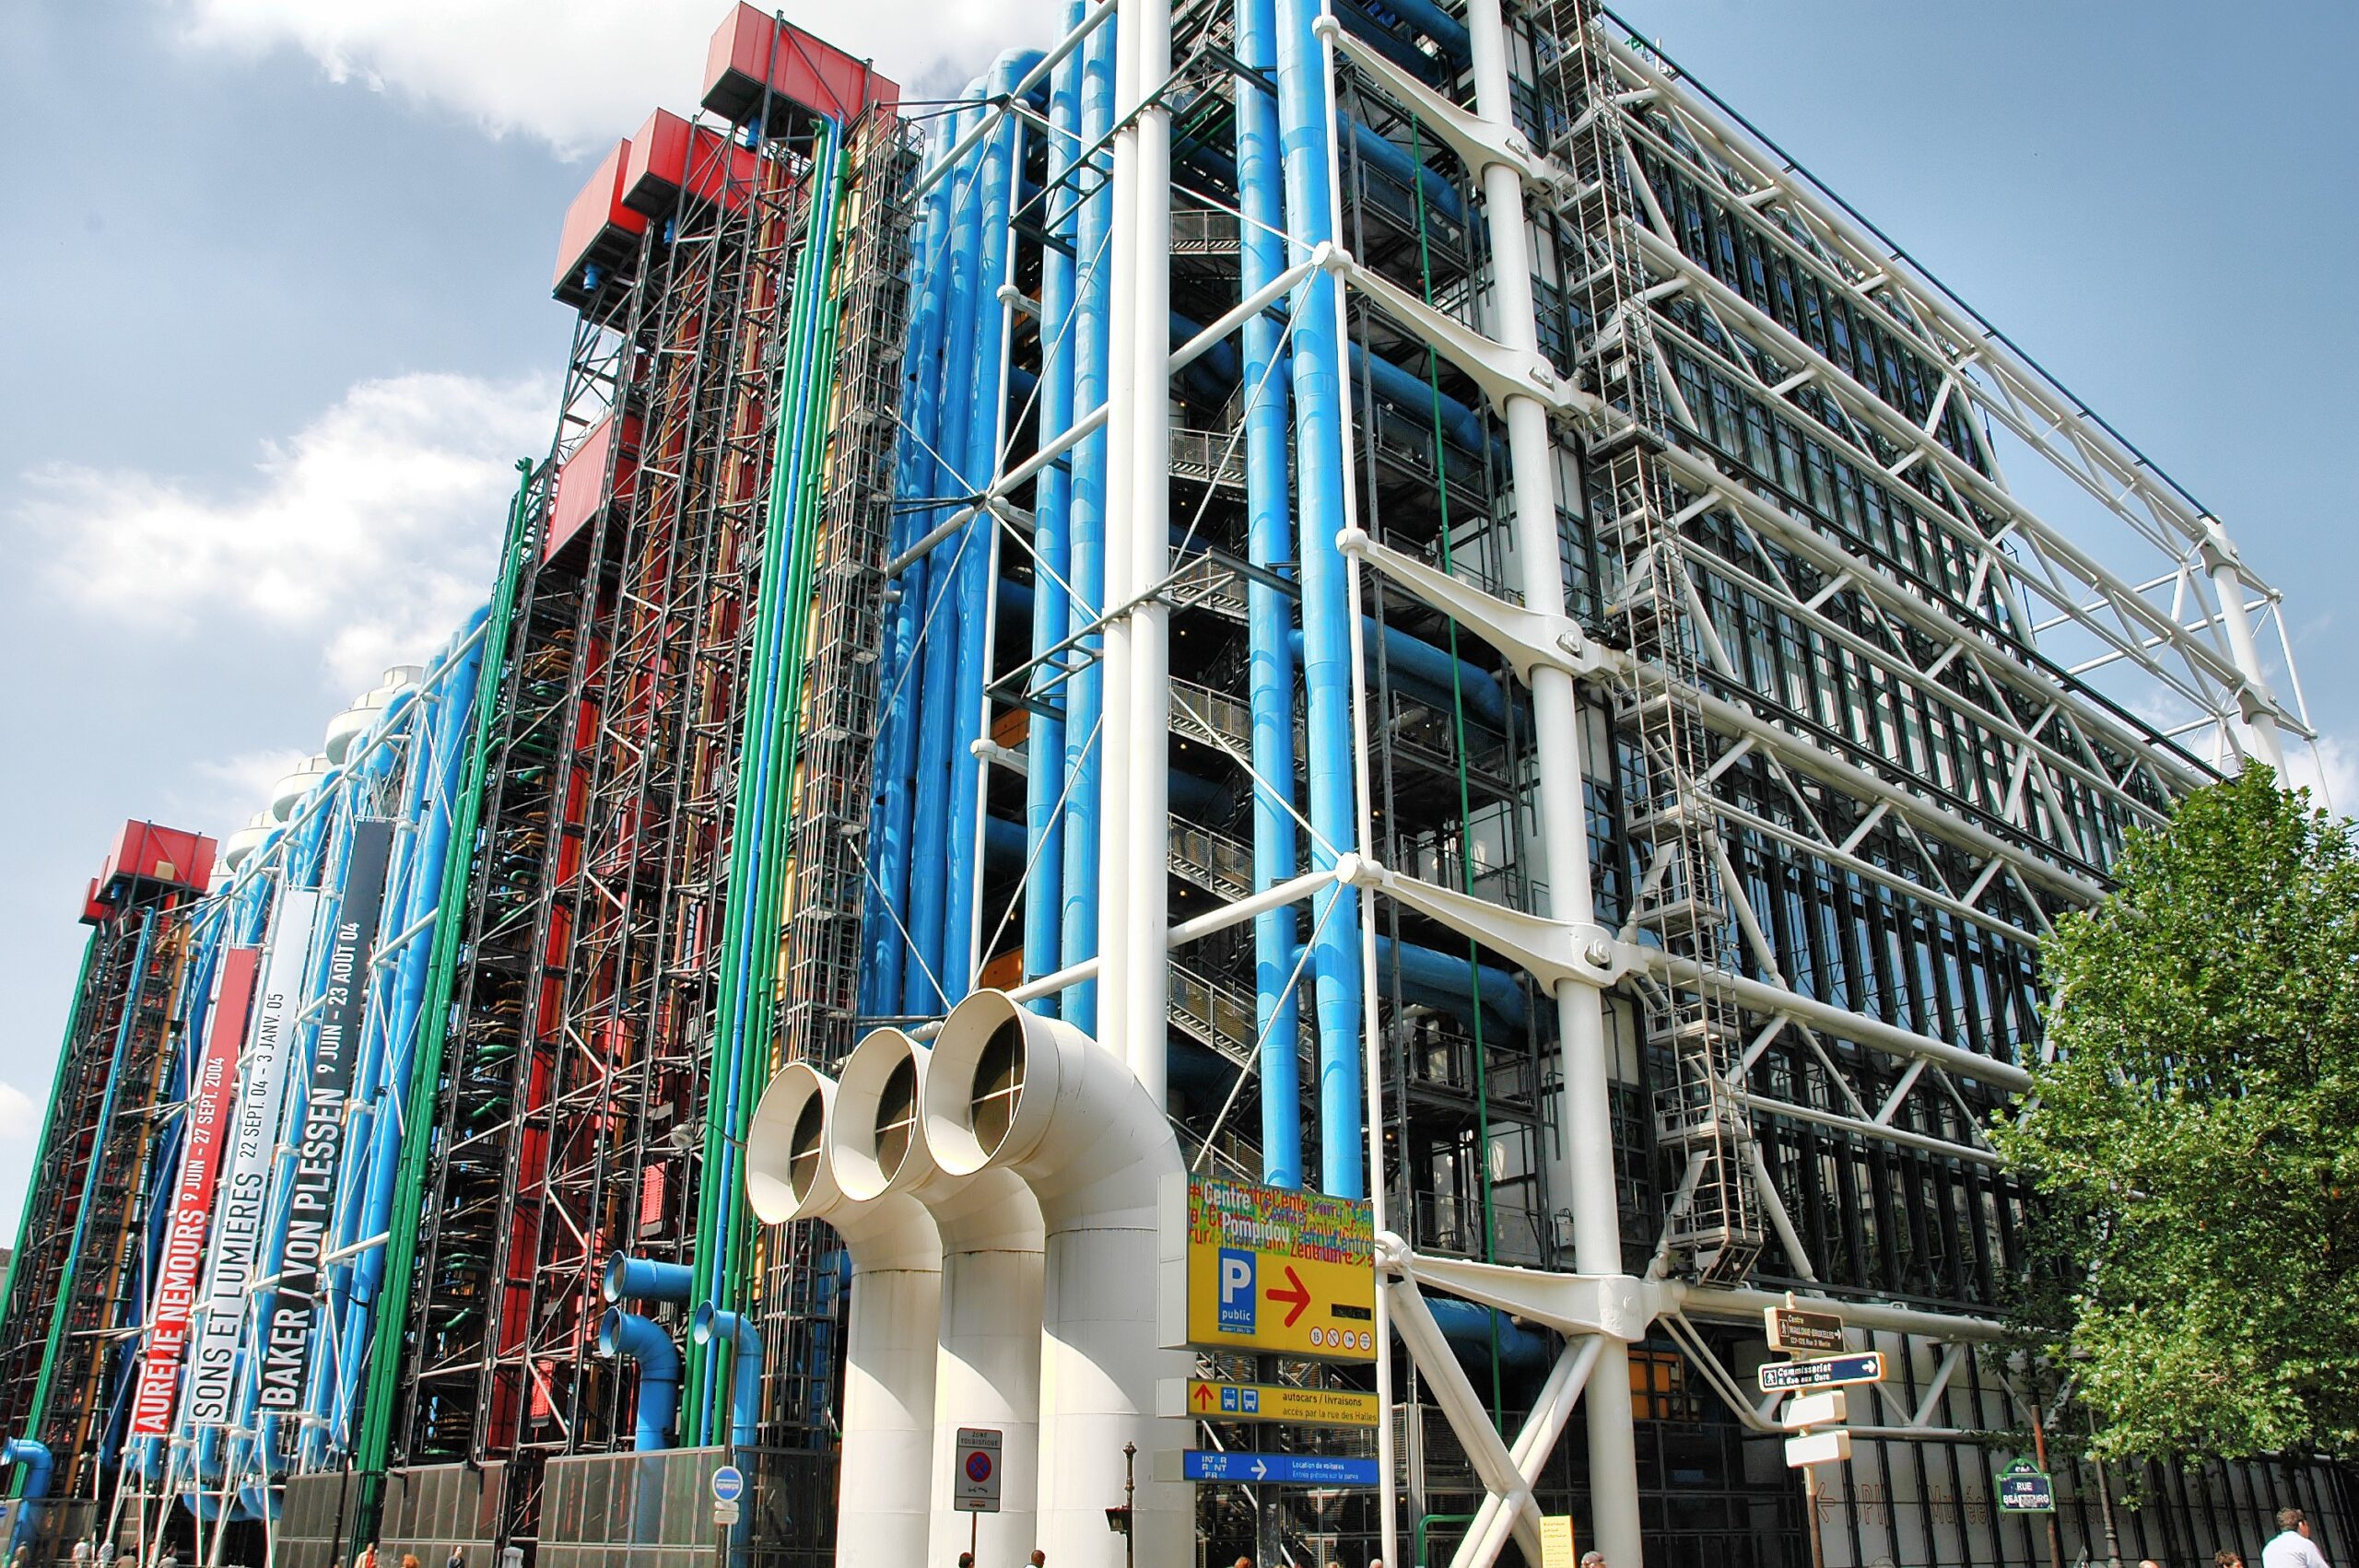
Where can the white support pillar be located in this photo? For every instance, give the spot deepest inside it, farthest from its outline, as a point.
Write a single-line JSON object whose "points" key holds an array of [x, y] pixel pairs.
{"points": [[1146, 815], [1586, 1126], [1118, 727], [2257, 706]]}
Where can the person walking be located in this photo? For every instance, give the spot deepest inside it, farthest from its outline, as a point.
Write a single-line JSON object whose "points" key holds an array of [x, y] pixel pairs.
{"points": [[368, 1558], [458, 1558], [83, 1552], [2228, 1559], [2291, 1548]]}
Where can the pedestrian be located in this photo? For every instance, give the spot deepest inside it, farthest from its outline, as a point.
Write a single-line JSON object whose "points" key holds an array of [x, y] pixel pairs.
{"points": [[107, 1552], [965, 1559], [171, 1559], [2228, 1559], [21, 1558], [83, 1551], [2291, 1547], [409, 1561], [458, 1558], [1040, 1559], [368, 1558], [2148, 1563], [1593, 1560]]}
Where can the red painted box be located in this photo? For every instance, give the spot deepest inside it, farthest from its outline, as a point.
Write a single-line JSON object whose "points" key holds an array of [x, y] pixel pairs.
{"points": [[582, 483], [145, 852], [752, 47], [599, 231], [669, 156]]}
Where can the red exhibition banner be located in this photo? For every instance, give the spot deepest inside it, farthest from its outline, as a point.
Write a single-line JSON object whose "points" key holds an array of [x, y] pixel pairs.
{"points": [[192, 1214]]}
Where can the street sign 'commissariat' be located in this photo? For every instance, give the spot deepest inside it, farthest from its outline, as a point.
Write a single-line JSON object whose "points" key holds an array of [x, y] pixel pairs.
{"points": [[1268, 1268], [1274, 1469], [1208, 1400], [1866, 1367]]}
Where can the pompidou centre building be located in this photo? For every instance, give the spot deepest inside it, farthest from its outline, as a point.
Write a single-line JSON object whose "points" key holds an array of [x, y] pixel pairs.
{"points": [[1383, 598]]}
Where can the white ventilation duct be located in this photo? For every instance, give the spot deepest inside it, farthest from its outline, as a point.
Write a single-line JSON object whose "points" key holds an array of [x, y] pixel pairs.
{"points": [[888, 1416], [289, 791], [989, 1373], [355, 722], [1015, 1090]]}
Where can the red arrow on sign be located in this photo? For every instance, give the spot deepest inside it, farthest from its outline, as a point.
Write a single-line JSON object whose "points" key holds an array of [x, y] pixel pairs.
{"points": [[1299, 1295], [1204, 1397]]}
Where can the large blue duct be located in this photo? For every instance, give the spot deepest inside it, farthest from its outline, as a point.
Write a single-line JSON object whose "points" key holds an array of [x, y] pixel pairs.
{"points": [[627, 1335]]}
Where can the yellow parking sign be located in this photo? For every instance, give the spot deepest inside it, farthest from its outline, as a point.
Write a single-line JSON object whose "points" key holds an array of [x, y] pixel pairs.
{"points": [[1268, 1268]]}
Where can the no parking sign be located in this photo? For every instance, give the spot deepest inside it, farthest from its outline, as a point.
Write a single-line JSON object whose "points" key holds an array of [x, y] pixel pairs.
{"points": [[974, 1477]]}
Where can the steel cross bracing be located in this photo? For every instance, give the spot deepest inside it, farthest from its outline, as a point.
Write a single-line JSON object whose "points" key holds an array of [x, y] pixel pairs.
{"points": [[2179, 609], [76, 1288], [632, 924]]}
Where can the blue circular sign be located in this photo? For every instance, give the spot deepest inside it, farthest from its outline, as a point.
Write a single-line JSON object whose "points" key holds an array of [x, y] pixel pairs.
{"points": [[728, 1484]]}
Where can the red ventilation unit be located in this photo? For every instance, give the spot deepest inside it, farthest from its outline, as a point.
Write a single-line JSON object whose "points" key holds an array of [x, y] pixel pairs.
{"points": [[806, 76], [582, 486], [600, 232], [143, 852], [670, 157]]}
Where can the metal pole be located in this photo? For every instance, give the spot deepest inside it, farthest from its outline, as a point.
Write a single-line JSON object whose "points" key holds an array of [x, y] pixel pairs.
{"points": [[1810, 1517], [2039, 1452], [2105, 1504], [1129, 1504]]}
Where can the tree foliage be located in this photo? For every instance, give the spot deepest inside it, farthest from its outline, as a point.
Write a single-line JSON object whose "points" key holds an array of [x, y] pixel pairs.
{"points": [[2195, 1140]]}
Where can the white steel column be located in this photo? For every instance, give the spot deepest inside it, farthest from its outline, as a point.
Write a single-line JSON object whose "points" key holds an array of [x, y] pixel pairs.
{"points": [[1117, 734], [2256, 707], [1146, 820], [1586, 1126]]}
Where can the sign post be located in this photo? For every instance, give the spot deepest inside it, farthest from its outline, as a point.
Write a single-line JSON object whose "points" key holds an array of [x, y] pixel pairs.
{"points": [[1813, 1418], [1268, 1270], [974, 1479]]}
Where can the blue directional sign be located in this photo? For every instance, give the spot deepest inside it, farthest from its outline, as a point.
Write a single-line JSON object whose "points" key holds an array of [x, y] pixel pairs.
{"points": [[2023, 1488], [1279, 1470], [1823, 1373], [728, 1484]]}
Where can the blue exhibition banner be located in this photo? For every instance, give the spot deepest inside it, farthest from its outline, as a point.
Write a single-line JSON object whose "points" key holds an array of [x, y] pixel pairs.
{"points": [[1279, 1470]]}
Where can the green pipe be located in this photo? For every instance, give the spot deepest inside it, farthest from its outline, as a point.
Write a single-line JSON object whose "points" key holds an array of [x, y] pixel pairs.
{"points": [[41, 1159], [741, 1037], [37, 1410], [392, 1317], [1417, 1549]]}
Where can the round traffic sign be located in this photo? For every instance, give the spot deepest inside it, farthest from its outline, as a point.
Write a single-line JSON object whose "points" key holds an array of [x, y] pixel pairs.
{"points": [[978, 1466], [728, 1484]]}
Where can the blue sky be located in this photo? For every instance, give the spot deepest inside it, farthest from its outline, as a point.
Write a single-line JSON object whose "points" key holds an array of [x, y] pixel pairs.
{"points": [[278, 322]]}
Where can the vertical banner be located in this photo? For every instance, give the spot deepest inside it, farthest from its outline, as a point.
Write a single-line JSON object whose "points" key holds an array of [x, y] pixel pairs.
{"points": [[205, 1122], [319, 1141], [262, 1095]]}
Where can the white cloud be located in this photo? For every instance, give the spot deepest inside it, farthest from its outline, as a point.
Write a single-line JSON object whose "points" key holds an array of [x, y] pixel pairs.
{"points": [[2328, 770], [577, 74], [21, 1119], [374, 529]]}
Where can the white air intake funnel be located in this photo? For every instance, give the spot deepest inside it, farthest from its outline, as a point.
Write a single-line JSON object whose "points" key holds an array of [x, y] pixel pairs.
{"points": [[289, 791], [883, 1517], [989, 1373], [1013, 1090]]}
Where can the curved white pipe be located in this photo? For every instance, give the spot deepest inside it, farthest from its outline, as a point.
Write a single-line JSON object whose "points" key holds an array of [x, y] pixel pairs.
{"points": [[988, 1373], [1011, 1090], [896, 1306]]}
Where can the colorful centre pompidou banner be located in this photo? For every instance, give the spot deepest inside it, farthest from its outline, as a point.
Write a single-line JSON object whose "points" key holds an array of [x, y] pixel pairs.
{"points": [[253, 1136], [206, 1119], [319, 1141]]}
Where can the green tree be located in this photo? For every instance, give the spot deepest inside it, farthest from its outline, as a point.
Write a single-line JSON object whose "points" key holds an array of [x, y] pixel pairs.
{"points": [[2195, 1139]]}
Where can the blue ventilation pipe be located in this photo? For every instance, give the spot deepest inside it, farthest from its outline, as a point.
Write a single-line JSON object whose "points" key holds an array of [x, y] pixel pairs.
{"points": [[1084, 688], [1044, 745], [1306, 126], [644, 1278], [888, 952], [1218, 371], [627, 1335], [986, 406], [1424, 672], [710, 1324], [1269, 612], [926, 982], [39, 1468], [1452, 983], [1469, 1328]]}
